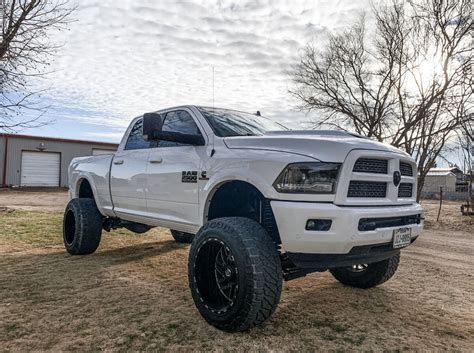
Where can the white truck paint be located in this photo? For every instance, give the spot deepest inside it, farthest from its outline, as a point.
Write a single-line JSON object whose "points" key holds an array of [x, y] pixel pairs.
{"points": [[144, 185]]}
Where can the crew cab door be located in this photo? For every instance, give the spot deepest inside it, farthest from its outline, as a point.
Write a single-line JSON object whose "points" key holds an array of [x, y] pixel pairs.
{"points": [[173, 173], [128, 179]]}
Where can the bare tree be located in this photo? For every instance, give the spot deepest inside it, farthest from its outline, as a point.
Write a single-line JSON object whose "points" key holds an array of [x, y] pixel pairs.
{"points": [[25, 52], [407, 82], [465, 148]]}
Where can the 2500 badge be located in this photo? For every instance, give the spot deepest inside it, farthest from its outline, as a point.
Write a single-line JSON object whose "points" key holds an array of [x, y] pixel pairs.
{"points": [[189, 176]]}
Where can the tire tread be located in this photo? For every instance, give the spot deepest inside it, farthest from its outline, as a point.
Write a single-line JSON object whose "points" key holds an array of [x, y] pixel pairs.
{"points": [[88, 223], [263, 270], [377, 273]]}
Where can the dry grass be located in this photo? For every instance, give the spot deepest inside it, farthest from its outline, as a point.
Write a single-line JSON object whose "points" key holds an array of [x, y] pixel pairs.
{"points": [[450, 217], [132, 294]]}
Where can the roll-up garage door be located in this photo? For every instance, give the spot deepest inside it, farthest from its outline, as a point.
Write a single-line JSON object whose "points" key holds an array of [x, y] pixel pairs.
{"points": [[40, 168]]}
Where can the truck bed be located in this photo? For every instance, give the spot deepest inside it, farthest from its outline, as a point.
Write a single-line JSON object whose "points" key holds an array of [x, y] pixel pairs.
{"points": [[97, 170]]}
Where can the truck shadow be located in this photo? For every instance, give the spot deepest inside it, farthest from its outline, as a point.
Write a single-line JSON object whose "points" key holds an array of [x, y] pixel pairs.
{"points": [[137, 252]]}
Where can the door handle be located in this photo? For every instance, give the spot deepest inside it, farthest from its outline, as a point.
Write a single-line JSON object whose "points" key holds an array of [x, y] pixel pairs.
{"points": [[156, 160], [118, 161]]}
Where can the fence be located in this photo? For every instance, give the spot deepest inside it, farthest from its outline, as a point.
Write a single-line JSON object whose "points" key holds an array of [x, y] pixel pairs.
{"points": [[449, 193]]}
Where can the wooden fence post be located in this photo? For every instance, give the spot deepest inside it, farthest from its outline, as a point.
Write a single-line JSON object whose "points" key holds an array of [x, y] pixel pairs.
{"points": [[440, 202]]}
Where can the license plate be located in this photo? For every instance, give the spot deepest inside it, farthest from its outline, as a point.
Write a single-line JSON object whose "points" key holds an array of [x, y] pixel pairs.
{"points": [[401, 237]]}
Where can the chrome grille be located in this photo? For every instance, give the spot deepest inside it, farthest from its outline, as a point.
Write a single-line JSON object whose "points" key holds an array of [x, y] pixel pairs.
{"points": [[405, 190], [406, 169], [368, 189], [371, 165]]}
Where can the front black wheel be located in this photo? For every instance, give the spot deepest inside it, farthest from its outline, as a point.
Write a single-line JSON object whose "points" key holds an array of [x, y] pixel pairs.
{"points": [[182, 237], [235, 273], [367, 275], [82, 227]]}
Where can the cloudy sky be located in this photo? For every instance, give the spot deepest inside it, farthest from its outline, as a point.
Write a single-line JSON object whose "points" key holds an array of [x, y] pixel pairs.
{"points": [[122, 58]]}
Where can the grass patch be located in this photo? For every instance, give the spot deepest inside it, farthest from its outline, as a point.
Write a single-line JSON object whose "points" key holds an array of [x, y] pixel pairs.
{"points": [[33, 228], [11, 328], [172, 327], [334, 326], [37, 229], [452, 334], [357, 340]]}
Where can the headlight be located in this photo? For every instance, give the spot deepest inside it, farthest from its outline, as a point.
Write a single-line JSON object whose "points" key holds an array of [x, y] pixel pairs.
{"points": [[308, 178]]}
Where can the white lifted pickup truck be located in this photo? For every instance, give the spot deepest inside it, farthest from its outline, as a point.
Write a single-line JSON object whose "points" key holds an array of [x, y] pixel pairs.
{"points": [[259, 203]]}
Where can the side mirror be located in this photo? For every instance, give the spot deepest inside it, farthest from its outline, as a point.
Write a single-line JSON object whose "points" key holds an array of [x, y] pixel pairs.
{"points": [[152, 124], [188, 139]]}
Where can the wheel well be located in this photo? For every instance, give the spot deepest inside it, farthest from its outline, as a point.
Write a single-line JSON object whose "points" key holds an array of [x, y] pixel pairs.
{"points": [[241, 199], [85, 190]]}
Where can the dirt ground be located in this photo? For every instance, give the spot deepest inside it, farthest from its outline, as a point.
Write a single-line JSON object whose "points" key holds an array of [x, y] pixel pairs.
{"points": [[34, 199], [132, 294]]}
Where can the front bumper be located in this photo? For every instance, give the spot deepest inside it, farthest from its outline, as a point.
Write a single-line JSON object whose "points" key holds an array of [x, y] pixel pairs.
{"points": [[344, 234]]}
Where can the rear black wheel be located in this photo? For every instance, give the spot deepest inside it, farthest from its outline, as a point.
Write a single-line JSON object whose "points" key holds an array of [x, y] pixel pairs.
{"points": [[182, 237], [367, 275], [235, 273], [82, 227]]}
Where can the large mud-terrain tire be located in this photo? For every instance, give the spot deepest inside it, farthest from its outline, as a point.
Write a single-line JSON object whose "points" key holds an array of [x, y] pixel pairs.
{"points": [[82, 227], [367, 276], [182, 237], [235, 273]]}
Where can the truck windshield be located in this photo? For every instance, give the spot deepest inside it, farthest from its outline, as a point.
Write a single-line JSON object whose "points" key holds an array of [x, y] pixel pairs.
{"points": [[227, 123]]}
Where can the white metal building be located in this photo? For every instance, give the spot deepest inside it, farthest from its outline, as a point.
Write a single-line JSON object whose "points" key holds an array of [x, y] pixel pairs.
{"points": [[439, 178]]}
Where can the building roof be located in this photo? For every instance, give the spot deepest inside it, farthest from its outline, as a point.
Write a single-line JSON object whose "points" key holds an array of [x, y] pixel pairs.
{"points": [[433, 172], [449, 169], [56, 139]]}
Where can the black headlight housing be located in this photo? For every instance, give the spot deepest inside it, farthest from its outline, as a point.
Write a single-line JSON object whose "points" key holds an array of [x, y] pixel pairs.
{"points": [[308, 178]]}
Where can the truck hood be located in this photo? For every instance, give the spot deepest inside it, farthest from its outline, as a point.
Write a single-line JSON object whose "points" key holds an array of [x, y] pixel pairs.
{"points": [[323, 145]]}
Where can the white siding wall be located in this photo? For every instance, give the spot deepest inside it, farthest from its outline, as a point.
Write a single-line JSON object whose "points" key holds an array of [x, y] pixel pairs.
{"points": [[433, 182]]}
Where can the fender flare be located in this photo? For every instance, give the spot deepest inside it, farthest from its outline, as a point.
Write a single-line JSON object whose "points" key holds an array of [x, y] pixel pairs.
{"points": [[78, 183], [212, 188]]}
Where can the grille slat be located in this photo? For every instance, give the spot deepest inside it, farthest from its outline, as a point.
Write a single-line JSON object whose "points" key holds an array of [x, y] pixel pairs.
{"points": [[371, 165], [406, 169], [368, 189], [405, 190]]}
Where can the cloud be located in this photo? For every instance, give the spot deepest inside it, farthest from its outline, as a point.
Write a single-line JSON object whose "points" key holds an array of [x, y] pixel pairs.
{"points": [[123, 58]]}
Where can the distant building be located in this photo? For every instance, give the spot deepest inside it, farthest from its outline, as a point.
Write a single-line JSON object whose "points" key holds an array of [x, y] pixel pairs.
{"points": [[455, 170], [440, 177], [42, 161]]}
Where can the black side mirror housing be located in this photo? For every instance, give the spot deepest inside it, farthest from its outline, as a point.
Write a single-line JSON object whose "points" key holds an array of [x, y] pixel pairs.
{"points": [[188, 139], [152, 124]]}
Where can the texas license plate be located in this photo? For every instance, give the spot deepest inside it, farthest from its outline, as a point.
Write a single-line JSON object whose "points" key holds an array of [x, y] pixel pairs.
{"points": [[401, 237]]}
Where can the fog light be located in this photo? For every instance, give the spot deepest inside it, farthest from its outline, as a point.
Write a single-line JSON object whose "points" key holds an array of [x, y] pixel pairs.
{"points": [[318, 224]]}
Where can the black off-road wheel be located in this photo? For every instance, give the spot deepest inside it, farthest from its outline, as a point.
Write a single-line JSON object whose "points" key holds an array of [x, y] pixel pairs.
{"points": [[182, 237], [367, 275], [82, 227], [235, 273]]}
